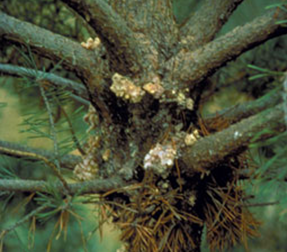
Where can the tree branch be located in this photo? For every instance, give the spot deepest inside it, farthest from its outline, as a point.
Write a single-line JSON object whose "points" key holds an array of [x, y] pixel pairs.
{"points": [[119, 40], [261, 204], [48, 44], [35, 74], [214, 148], [241, 111], [153, 23], [207, 21], [93, 186], [67, 161], [164, 33], [189, 68]]}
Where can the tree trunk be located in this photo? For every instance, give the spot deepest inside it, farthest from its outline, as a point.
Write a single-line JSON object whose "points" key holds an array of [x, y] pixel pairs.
{"points": [[163, 170]]}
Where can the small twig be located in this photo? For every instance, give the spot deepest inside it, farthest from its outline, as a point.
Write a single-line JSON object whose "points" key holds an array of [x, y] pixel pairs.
{"points": [[52, 126], [261, 204], [73, 133], [241, 111], [80, 99]]}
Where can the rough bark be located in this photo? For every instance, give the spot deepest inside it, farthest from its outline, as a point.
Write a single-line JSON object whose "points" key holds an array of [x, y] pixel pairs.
{"points": [[48, 44], [189, 68], [201, 155], [153, 22], [140, 46], [241, 111], [123, 47], [206, 22], [88, 187], [212, 149]]}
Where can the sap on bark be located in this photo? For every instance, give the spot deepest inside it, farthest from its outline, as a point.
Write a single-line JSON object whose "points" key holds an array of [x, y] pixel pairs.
{"points": [[160, 159], [125, 88]]}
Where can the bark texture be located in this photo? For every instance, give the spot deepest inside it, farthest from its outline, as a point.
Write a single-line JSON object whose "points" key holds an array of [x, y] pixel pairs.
{"points": [[163, 170]]}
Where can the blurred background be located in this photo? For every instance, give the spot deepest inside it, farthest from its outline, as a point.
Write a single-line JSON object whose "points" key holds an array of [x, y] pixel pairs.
{"points": [[23, 122]]}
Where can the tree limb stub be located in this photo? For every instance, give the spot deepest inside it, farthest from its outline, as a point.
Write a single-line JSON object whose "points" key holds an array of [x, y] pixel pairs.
{"points": [[190, 68], [118, 39], [207, 21], [87, 187], [76, 87], [48, 44], [214, 148]]}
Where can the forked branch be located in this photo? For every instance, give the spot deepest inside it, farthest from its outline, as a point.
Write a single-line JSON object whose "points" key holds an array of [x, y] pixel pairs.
{"points": [[189, 68]]}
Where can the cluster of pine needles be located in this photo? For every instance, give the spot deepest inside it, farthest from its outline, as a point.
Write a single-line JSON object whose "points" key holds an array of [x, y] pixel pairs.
{"points": [[227, 220], [151, 222]]}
